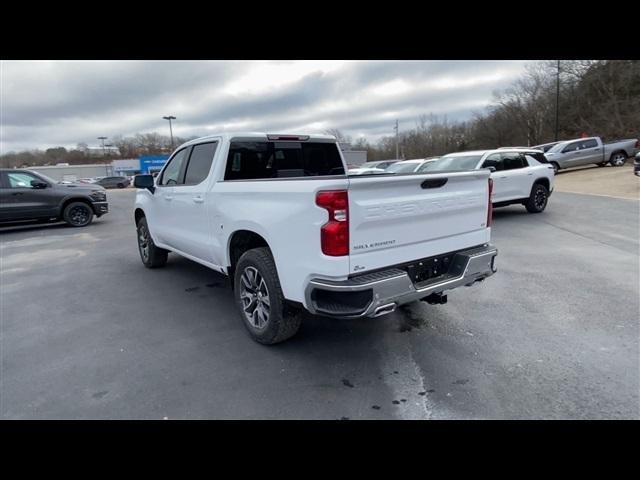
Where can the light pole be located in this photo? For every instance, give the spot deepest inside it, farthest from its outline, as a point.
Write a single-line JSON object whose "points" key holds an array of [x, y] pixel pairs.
{"points": [[557, 98], [170, 117], [103, 139], [396, 129]]}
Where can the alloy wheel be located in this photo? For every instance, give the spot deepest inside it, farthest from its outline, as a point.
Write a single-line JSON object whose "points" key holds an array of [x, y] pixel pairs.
{"points": [[254, 295]]}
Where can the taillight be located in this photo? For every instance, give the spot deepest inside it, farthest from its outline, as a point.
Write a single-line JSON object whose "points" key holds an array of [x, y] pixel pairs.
{"points": [[334, 235], [490, 206]]}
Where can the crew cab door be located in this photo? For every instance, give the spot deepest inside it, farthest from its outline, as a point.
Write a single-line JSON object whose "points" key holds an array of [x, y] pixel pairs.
{"points": [[512, 178], [590, 152], [21, 200], [192, 207], [163, 223]]}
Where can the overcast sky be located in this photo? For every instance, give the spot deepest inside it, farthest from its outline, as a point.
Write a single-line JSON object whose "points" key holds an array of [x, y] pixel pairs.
{"points": [[62, 103]]}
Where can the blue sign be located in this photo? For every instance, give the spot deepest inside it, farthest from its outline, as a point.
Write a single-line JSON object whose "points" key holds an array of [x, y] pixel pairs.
{"points": [[152, 163]]}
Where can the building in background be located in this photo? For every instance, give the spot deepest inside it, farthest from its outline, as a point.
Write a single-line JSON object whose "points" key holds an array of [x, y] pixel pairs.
{"points": [[72, 173]]}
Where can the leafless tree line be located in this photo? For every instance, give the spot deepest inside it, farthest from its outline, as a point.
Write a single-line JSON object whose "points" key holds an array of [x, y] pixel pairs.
{"points": [[595, 98]]}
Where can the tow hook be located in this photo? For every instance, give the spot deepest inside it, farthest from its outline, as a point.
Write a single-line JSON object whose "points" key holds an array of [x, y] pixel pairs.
{"points": [[435, 299]]}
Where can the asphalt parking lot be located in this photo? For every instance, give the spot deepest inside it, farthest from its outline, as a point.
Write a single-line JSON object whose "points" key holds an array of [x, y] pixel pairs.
{"points": [[88, 332]]}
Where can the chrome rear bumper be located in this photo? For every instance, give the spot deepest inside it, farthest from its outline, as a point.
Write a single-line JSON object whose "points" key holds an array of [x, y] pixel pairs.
{"points": [[374, 294]]}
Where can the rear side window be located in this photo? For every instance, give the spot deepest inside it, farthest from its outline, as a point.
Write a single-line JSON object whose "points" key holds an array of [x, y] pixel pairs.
{"points": [[514, 161], [259, 160], [200, 163], [172, 174]]}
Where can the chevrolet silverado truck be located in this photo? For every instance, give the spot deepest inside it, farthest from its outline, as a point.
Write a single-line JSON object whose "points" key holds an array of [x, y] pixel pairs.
{"points": [[27, 195], [586, 151], [280, 217]]}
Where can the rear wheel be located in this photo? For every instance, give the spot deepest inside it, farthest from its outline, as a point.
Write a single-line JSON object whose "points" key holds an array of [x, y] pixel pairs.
{"points": [[618, 159], [538, 199], [78, 214], [259, 298], [121, 185], [151, 256]]}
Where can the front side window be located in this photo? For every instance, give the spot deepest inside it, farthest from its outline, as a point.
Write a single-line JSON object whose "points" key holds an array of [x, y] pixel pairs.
{"points": [[261, 159], [199, 163], [494, 160], [572, 147], [172, 174], [21, 179], [589, 144]]}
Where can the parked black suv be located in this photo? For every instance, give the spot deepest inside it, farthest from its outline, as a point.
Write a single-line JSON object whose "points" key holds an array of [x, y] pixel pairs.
{"points": [[26, 195], [113, 182]]}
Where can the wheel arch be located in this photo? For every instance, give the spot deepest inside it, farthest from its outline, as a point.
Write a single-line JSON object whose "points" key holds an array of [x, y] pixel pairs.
{"points": [[543, 181], [239, 242]]}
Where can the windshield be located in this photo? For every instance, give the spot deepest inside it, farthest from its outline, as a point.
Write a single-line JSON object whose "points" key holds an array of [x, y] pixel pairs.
{"points": [[461, 162], [402, 167]]}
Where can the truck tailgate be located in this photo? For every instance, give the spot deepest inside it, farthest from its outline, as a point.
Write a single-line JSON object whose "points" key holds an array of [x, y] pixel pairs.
{"points": [[396, 219]]}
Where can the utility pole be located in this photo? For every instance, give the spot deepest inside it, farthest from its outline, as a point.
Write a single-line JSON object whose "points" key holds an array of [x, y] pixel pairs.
{"points": [[397, 144], [170, 117], [557, 98], [103, 151]]}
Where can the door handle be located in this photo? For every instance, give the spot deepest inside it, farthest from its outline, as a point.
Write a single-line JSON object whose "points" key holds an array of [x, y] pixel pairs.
{"points": [[17, 193], [503, 177], [168, 197], [198, 199]]}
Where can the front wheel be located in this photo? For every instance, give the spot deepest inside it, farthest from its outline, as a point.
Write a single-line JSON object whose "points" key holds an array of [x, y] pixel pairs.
{"points": [[151, 255], [556, 167], [259, 299], [538, 199], [78, 214], [618, 159]]}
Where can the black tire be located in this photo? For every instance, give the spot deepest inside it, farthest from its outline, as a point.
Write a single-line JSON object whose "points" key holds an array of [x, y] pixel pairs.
{"points": [[618, 159], [78, 214], [121, 185], [538, 199], [270, 321], [151, 255], [556, 167]]}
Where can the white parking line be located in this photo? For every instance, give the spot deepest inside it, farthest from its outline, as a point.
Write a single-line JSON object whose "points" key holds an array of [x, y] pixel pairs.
{"points": [[597, 195]]}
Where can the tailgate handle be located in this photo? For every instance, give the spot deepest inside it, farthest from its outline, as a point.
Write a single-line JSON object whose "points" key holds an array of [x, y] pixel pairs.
{"points": [[434, 183]]}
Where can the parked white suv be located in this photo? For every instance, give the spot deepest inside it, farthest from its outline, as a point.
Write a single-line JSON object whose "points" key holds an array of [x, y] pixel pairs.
{"points": [[519, 174], [279, 216]]}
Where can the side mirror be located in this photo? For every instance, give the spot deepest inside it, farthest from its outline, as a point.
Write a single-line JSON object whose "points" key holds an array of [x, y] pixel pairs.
{"points": [[491, 169], [38, 184], [144, 181]]}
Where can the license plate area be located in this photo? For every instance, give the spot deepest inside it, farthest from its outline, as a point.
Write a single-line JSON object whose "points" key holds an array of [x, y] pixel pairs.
{"points": [[427, 269]]}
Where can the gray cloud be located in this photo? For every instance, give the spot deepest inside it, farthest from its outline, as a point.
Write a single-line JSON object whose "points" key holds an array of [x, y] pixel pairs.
{"points": [[47, 104]]}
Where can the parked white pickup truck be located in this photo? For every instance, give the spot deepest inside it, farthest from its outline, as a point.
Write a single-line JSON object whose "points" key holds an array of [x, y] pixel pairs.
{"points": [[585, 151], [520, 175], [278, 215]]}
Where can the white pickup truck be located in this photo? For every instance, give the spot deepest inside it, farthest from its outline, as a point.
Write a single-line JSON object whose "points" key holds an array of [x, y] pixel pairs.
{"points": [[279, 216]]}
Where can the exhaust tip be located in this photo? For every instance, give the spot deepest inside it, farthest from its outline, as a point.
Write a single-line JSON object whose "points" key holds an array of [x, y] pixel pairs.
{"points": [[384, 309]]}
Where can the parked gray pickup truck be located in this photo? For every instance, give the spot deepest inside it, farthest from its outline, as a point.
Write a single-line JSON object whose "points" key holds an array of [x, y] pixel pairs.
{"points": [[27, 195], [585, 151]]}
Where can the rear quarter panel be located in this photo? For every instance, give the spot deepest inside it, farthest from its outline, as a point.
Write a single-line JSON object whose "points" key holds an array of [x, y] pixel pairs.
{"points": [[284, 213]]}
